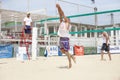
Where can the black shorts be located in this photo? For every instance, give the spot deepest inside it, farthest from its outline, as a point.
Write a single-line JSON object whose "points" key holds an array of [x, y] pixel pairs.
{"points": [[105, 47], [28, 30]]}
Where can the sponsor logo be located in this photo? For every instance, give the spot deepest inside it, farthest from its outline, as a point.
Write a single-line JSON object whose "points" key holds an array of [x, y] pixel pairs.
{"points": [[115, 48]]}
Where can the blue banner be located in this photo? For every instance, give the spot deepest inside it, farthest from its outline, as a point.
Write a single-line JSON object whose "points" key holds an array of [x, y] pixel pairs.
{"points": [[6, 51]]}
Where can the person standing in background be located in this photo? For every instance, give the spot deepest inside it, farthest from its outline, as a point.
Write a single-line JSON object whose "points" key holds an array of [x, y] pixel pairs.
{"points": [[27, 26], [105, 45]]}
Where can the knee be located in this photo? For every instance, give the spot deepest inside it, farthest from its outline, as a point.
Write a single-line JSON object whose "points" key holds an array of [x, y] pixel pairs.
{"points": [[62, 51]]}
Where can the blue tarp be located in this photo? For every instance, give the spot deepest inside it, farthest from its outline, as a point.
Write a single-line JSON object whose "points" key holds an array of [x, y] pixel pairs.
{"points": [[6, 51]]}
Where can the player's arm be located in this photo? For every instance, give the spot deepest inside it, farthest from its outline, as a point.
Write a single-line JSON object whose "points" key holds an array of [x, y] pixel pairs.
{"points": [[107, 38], [61, 13], [24, 23]]}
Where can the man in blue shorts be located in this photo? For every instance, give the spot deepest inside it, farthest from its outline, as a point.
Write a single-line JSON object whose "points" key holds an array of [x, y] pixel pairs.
{"points": [[27, 26], [63, 33]]}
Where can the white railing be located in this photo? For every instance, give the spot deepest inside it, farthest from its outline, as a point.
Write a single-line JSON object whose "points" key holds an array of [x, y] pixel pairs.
{"points": [[87, 42]]}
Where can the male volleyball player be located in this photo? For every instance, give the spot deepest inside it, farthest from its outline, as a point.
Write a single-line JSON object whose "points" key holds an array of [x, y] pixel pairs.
{"points": [[27, 25], [105, 45], [63, 33]]}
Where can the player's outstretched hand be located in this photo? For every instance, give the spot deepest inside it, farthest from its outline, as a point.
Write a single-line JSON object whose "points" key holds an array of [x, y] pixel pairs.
{"points": [[57, 5]]}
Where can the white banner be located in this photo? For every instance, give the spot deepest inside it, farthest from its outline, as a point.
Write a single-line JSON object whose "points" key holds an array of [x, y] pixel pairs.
{"points": [[51, 50], [54, 51], [113, 49], [71, 51], [21, 53]]}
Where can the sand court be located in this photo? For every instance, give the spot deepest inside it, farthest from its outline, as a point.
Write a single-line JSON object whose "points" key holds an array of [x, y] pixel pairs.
{"points": [[88, 67]]}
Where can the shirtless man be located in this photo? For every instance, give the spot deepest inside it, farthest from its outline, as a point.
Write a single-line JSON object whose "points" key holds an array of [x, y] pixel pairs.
{"points": [[64, 35]]}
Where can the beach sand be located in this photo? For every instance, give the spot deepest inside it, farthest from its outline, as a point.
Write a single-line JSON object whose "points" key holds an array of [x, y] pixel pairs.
{"points": [[88, 67]]}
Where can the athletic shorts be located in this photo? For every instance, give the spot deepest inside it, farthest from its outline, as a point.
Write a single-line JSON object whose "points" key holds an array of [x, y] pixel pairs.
{"points": [[64, 43], [28, 29], [105, 47]]}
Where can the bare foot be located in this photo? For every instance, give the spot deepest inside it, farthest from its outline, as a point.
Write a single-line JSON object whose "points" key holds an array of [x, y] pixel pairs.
{"points": [[22, 61], [110, 59], [74, 59], [103, 59], [70, 65]]}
